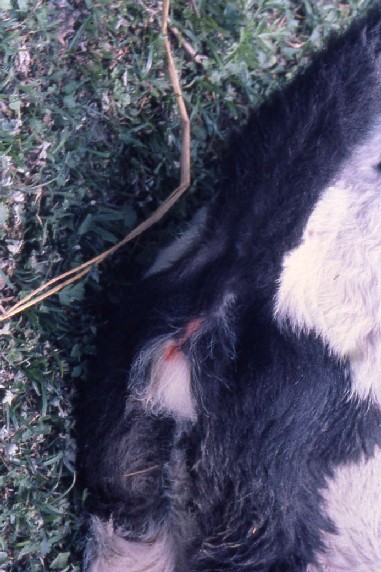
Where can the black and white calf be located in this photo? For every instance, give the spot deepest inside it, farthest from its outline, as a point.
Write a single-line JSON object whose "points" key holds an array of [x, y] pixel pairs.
{"points": [[234, 422]]}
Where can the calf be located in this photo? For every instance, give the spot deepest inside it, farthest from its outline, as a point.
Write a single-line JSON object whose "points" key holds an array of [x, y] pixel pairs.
{"points": [[234, 422]]}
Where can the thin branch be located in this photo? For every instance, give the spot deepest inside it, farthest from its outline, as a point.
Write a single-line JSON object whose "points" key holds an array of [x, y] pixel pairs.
{"points": [[30, 14], [198, 58], [142, 471], [185, 144], [196, 8]]}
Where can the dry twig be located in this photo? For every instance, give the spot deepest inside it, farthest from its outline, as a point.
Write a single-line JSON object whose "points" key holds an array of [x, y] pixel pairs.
{"points": [[142, 471], [198, 58]]}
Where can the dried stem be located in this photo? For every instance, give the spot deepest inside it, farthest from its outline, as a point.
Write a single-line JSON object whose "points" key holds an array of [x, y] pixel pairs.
{"points": [[142, 471], [198, 58]]}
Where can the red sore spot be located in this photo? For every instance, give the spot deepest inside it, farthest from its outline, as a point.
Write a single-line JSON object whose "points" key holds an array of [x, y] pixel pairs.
{"points": [[192, 327], [171, 351]]}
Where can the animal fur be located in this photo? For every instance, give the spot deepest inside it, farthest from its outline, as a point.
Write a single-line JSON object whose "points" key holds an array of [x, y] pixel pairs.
{"points": [[234, 419]]}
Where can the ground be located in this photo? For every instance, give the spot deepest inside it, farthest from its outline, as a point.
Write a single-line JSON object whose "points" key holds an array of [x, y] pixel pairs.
{"points": [[89, 145]]}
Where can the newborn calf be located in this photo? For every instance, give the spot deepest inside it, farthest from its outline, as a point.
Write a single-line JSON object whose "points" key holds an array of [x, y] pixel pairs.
{"points": [[234, 419]]}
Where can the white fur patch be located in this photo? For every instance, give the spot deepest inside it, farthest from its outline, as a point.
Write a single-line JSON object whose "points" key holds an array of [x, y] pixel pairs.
{"points": [[108, 552], [170, 385], [353, 502], [331, 283], [169, 381]]}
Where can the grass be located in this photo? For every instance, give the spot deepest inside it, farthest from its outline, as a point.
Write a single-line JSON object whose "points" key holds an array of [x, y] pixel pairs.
{"points": [[89, 145]]}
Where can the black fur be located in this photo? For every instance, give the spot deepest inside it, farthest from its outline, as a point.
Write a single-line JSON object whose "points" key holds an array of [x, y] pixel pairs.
{"points": [[241, 487]]}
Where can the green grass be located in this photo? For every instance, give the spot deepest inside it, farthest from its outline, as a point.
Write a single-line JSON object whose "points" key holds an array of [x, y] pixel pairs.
{"points": [[90, 144]]}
